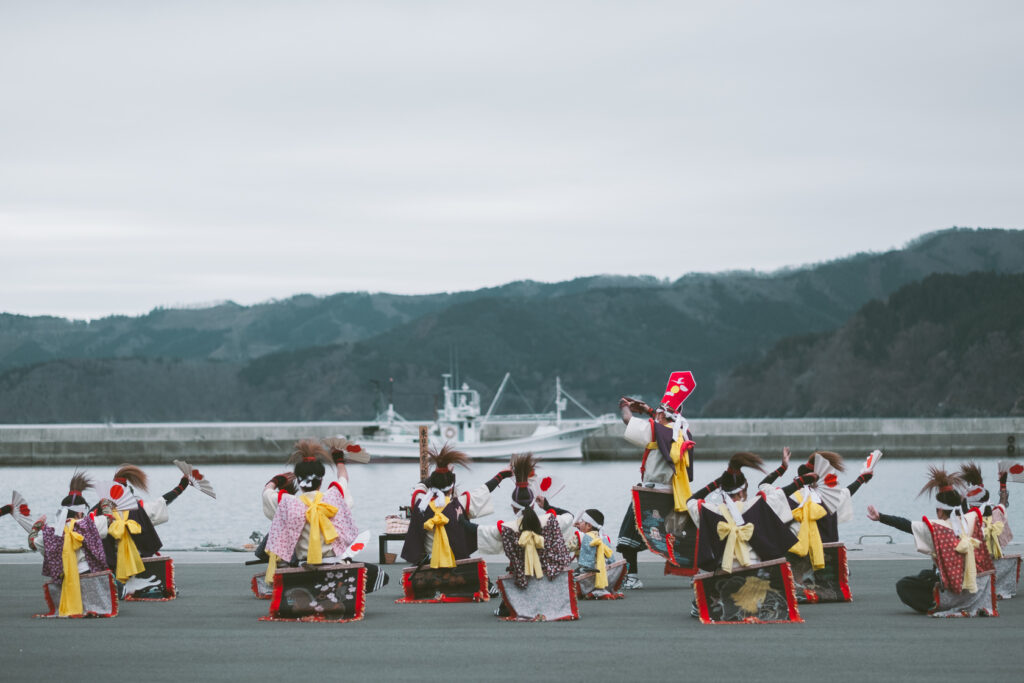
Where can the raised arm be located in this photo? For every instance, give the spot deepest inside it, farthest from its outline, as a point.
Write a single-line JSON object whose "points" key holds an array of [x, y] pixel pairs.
{"points": [[779, 471], [895, 522]]}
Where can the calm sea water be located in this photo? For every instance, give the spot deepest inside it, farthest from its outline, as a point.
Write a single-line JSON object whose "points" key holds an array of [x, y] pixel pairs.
{"points": [[379, 489]]}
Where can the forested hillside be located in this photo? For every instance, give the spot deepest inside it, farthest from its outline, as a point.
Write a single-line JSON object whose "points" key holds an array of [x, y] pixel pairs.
{"points": [[310, 358], [947, 346]]}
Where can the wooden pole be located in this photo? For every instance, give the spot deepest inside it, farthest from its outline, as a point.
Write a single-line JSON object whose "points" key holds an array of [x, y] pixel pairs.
{"points": [[424, 445]]}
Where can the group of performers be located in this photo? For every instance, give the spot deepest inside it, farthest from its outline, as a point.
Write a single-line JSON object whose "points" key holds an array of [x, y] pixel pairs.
{"points": [[96, 555], [753, 553]]}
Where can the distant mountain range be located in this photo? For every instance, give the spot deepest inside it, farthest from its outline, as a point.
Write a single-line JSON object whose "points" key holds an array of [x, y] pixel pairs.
{"points": [[951, 345], [311, 358]]}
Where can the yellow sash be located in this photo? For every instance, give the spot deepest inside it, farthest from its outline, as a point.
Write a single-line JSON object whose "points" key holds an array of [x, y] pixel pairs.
{"points": [[604, 552], [271, 568], [318, 516], [531, 543], [808, 539], [966, 548], [680, 482], [129, 563], [441, 555], [992, 531], [71, 587], [737, 543]]}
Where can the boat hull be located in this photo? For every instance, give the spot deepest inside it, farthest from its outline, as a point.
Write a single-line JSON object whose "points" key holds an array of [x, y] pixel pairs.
{"points": [[561, 445]]}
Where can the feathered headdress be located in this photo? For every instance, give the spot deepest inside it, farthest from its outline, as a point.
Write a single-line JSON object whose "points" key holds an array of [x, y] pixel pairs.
{"points": [[74, 502], [308, 450], [732, 480], [523, 465], [974, 484], [448, 457], [132, 475], [944, 485], [442, 462]]}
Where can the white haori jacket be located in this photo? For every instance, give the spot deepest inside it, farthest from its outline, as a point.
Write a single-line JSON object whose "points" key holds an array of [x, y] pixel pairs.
{"points": [[656, 470]]}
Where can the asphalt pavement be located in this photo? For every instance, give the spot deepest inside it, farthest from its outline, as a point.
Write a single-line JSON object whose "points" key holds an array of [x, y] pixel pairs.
{"points": [[211, 632]]}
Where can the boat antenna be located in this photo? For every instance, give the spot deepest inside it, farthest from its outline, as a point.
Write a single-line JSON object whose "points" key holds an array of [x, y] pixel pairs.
{"points": [[497, 395]]}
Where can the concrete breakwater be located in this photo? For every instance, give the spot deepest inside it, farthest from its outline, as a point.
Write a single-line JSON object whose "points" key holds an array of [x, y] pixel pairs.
{"points": [[266, 442]]}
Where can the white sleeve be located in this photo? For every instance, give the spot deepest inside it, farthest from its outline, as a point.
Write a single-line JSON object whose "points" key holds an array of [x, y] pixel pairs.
{"points": [[101, 523], [477, 502], [693, 507], [779, 504], [488, 540], [922, 538], [844, 510], [345, 493], [638, 431], [269, 502], [157, 511], [565, 525]]}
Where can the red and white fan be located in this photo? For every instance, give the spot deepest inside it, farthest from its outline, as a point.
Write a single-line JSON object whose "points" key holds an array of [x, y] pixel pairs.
{"points": [[828, 486], [122, 495], [1014, 470], [545, 486], [21, 512], [352, 550], [195, 478]]}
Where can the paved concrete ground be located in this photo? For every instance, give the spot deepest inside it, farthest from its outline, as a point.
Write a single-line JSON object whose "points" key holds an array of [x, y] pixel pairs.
{"points": [[211, 632]]}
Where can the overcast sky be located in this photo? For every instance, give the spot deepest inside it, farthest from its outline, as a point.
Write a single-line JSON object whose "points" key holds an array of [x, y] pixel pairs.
{"points": [[180, 153]]}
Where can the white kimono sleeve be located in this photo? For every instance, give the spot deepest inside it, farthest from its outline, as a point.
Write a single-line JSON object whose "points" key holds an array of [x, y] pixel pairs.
{"points": [[488, 540], [157, 511], [778, 502], [922, 538], [269, 502], [638, 431], [477, 502]]}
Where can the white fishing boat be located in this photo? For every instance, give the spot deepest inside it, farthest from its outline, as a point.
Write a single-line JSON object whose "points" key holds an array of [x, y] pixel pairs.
{"points": [[460, 423]]}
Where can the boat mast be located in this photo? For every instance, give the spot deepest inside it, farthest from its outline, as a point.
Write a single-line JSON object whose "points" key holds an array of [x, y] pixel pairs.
{"points": [[497, 395]]}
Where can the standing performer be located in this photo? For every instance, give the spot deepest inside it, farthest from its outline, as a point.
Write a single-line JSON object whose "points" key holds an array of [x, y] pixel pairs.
{"points": [[955, 541], [71, 548], [440, 530], [667, 461]]}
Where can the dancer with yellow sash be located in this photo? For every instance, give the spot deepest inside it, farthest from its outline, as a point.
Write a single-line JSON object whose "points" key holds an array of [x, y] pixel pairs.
{"points": [[963, 568], [534, 542], [734, 531], [741, 549], [594, 553], [133, 537], [994, 524], [307, 524], [440, 531], [71, 547], [667, 461]]}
